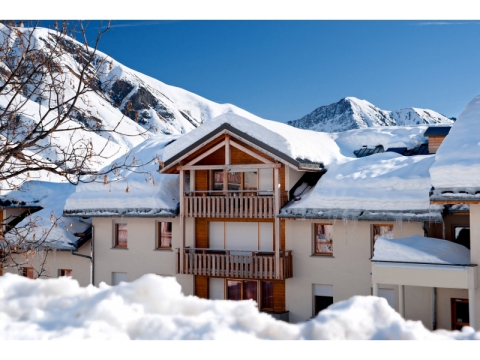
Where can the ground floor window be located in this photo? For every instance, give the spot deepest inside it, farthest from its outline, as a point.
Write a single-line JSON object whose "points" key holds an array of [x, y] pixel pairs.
{"points": [[28, 272], [65, 272], [460, 315], [322, 302], [259, 291]]}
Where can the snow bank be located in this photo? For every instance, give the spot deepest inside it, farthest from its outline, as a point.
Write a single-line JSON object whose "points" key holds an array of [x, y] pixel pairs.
{"points": [[385, 181], [153, 307], [40, 226], [149, 192], [420, 249], [457, 162], [295, 143]]}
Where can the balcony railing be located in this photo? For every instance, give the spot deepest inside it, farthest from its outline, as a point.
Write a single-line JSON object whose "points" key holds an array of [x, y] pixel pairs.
{"points": [[232, 204], [236, 264]]}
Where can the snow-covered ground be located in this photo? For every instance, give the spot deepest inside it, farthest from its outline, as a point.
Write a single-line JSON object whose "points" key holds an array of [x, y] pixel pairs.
{"points": [[153, 307]]}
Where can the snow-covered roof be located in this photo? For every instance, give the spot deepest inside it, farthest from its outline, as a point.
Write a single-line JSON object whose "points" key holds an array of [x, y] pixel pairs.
{"points": [[457, 162], [149, 192], [40, 227], [420, 249], [381, 186], [297, 145]]}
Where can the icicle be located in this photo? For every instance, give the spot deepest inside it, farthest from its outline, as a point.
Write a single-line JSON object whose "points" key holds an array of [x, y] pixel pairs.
{"points": [[105, 179], [52, 218], [127, 189]]}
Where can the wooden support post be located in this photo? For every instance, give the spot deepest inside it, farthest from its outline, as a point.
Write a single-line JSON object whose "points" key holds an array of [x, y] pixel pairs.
{"points": [[228, 159], [192, 180], [182, 219], [276, 200]]}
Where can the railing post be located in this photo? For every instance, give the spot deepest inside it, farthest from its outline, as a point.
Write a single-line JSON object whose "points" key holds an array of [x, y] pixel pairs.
{"points": [[182, 220]]}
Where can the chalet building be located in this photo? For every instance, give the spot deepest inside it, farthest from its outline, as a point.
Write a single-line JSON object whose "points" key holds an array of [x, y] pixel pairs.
{"points": [[295, 220]]}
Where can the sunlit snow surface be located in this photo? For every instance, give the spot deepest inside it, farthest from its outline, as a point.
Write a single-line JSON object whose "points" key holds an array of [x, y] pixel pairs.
{"points": [[457, 162], [153, 307]]}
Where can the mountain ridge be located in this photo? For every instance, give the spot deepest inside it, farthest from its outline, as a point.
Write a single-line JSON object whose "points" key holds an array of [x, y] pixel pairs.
{"points": [[353, 113]]}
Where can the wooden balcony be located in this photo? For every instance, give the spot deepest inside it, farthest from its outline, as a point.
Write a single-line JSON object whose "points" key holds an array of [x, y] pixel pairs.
{"points": [[232, 204], [235, 264]]}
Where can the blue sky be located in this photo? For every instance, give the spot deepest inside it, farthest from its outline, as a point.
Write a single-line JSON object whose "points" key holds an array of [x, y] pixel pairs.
{"points": [[282, 70]]}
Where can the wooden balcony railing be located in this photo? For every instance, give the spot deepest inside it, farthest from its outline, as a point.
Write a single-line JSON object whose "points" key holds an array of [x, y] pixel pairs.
{"points": [[236, 264], [232, 204]]}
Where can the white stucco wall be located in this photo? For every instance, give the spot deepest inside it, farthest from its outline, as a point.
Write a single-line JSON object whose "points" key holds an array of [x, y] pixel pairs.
{"points": [[57, 260], [141, 256], [349, 270]]}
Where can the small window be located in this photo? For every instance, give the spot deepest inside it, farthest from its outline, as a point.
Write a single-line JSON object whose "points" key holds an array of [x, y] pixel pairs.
{"points": [[385, 231], [164, 235], [323, 239], [65, 272], [28, 272], [322, 302], [259, 291], [267, 295], [121, 235]]}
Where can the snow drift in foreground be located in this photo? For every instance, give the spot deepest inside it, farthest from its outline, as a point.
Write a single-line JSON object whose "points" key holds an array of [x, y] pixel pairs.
{"points": [[457, 162], [153, 307], [417, 248]]}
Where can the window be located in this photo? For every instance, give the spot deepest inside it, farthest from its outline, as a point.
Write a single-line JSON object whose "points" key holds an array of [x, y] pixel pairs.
{"points": [[259, 291], [65, 272], [460, 314], [164, 235], [385, 231], [322, 302], [247, 179], [462, 235], [121, 234], [322, 297], [323, 239], [28, 272]]}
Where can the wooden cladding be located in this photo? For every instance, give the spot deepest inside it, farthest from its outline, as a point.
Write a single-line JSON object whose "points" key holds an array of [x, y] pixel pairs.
{"points": [[434, 143], [201, 287], [223, 264]]}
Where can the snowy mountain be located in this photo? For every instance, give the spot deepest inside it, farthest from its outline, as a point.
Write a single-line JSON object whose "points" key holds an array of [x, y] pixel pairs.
{"points": [[352, 113], [123, 99]]}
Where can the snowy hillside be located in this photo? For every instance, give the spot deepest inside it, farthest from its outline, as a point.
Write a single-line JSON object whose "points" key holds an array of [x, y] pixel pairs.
{"points": [[123, 99], [352, 113]]}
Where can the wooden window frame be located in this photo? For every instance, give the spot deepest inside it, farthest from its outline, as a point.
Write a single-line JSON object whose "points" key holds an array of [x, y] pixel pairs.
{"points": [[116, 245], [259, 291], [25, 271], [61, 272], [314, 241], [372, 237], [453, 312], [159, 235]]}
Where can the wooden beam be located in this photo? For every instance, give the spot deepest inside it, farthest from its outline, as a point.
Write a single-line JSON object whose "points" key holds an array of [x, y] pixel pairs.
{"points": [[250, 152], [206, 153], [228, 158], [231, 167], [454, 202], [194, 150]]}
